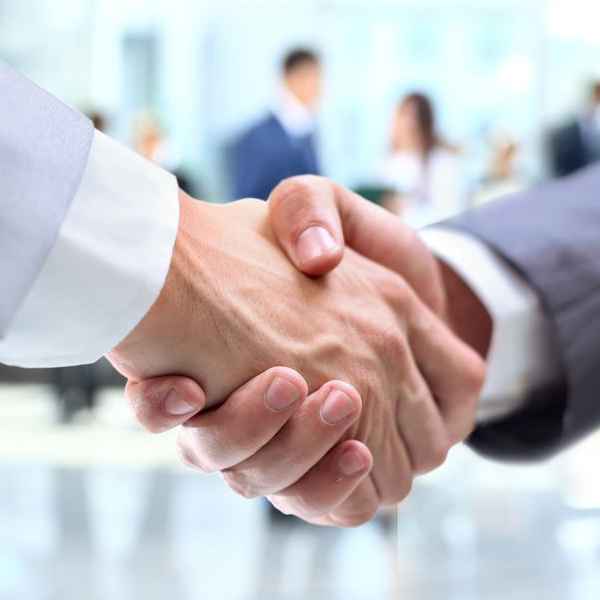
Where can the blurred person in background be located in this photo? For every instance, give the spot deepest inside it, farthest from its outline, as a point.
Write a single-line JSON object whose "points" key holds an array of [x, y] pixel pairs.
{"points": [[150, 140], [425, 171], [503, 176], [576, 144], [281, 144]]}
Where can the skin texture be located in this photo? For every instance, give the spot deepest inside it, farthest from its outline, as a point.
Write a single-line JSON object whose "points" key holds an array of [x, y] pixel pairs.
{"points": [[415, 384], [466, 315]]}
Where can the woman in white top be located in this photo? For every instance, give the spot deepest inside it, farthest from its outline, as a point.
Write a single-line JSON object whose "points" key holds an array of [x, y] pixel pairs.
{"points": [[425, 172]]}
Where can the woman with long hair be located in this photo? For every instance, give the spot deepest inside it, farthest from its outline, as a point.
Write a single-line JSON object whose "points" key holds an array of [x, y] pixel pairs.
{"points": [[425, 171]]}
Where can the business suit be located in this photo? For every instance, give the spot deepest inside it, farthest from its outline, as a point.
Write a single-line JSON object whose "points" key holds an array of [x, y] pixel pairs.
{"points": [[266, 154], [551, 237], [571, 149]]}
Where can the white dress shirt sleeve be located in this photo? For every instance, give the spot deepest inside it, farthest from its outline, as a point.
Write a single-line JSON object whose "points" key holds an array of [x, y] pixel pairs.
{"points": [[521, 355], [107, 267]]}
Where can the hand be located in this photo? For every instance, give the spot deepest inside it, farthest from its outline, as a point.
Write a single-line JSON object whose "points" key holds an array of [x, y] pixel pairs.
{"points": [[271, 431], [314, 219], [405, 427]]}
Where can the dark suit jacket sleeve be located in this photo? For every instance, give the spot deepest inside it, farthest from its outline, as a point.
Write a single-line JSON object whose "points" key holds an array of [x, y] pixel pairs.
{"points": [[551, 235]]}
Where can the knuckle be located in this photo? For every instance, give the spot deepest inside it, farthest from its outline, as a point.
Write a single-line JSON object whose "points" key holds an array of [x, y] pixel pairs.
{"points": [[434, 457], [463, 401], [395, 346], [475, 374], [153, 420], [355, 518], [291, 189], [464, 428], [398, 293], [185, 455], [305, 505], [399, 491], [153, 426], [440, 453], [280, 504], [191, 458], [240, 484], [300, 201], [147, 408]]}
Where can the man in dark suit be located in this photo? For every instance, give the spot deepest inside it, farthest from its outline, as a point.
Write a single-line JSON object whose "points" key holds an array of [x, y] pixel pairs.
{"points": [[282, 144], [576, 144]]}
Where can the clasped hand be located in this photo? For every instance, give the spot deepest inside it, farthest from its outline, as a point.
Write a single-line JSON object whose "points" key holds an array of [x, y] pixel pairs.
{"points": [[375, 388]]}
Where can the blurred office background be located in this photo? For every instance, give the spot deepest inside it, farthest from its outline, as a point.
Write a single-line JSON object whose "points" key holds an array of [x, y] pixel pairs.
{"points": [[91, 507], [205, 69]]}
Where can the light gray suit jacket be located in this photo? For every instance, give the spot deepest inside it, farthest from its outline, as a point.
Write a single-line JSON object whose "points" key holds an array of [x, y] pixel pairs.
{"points": [[44, 147], [551, 235]]}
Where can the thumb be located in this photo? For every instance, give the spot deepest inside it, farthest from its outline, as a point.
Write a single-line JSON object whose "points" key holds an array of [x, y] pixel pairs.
{"points": [[306, 221], [313, 218]]}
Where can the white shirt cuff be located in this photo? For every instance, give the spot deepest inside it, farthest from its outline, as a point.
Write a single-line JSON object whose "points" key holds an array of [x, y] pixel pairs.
{"points": [[521, 356], [107, 267]]}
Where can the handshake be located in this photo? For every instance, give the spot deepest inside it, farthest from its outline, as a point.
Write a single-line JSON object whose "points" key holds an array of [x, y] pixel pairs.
{"points": [[380, 344]]}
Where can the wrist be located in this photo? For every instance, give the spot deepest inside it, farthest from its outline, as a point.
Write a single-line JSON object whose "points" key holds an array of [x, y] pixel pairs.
{"points": [[465, 313], [136, 356]]}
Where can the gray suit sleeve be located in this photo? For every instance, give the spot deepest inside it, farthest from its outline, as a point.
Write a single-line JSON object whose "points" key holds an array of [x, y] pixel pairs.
{"points": [[551, 235], [44, 147]]}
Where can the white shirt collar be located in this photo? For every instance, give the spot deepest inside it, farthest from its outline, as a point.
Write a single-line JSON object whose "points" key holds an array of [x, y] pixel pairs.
{"points": [[297, 120]]}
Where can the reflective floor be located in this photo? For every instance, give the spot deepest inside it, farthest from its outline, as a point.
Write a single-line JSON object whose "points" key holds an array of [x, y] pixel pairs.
{"points": [[99, 510]]}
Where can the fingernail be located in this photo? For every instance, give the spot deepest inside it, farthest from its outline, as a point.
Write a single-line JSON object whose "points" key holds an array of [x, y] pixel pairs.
{"points": [[352, 462], [177, 406], [281, 394], [313, 243], [337, 407]]}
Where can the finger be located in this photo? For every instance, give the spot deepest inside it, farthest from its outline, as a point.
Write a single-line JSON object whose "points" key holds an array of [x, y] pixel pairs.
{"points": [[312, 216], [359, 508], [162, 403], [327, 484], [244, 423], [418, 419], [306, 221], [455, 373], [307, 437]]}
